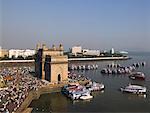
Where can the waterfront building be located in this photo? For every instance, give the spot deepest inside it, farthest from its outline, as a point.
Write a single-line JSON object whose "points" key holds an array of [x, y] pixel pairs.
{"points": [[51, 64], [3, 53], [91, 52], [76, 49], [20, 52]]}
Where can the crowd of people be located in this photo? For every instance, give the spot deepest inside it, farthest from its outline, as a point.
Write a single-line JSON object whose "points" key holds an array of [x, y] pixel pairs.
{"points": [[18, 84]]}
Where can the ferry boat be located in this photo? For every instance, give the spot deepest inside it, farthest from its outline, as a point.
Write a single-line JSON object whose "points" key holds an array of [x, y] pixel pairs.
{"points": [[75, 91], [79, 94], [94, 86], [137, 75], [137, 89], [68, 89]]}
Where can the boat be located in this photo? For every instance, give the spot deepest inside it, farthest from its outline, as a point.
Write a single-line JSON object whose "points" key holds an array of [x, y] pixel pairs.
{"points": [[94, 86], [104, 71], [77, 94], [86, 96], [137, 75], [137, 89], [123, 52], [74, 91]]}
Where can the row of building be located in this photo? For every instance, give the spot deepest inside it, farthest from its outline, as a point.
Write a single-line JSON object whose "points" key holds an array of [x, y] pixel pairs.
{"points": [[14, 53], [77, 50]]}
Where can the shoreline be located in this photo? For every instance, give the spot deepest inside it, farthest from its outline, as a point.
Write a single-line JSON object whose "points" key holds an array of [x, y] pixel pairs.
{"points": [[70, 59]]}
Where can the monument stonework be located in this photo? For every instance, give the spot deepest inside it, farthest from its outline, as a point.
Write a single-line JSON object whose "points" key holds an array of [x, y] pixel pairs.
{"points": [[51, 64]]}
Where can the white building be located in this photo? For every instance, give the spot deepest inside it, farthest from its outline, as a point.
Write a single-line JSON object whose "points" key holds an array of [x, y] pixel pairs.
{"points": [[20, 52], [76, 49], [91, 52]]}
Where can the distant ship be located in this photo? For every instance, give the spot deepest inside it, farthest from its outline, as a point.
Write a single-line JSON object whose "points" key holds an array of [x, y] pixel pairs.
{"points": [[123, 52], [137, 89]]}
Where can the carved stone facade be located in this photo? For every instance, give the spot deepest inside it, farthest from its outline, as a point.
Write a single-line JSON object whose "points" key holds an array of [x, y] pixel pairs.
{"points": [[51, 64]]}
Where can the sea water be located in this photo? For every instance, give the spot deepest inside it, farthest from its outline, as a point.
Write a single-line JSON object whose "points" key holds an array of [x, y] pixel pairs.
{"points": [[111, 99]]}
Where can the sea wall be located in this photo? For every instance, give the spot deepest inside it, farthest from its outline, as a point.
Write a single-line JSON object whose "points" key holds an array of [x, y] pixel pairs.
{"points": [[16, 64], [98, 58], [35, 95]]}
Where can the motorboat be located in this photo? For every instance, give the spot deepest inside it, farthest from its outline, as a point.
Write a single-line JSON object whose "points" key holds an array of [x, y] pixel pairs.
{"points": [[137, 89], [75, 95], [67, 89], [94, 86], [78, 94], [137, 75], [86, 96], [74, 91], [104, 71]]}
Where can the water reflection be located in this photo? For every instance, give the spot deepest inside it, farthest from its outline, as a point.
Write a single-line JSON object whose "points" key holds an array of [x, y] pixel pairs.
{"points": [[137, 96], [51, 102], [81, 101]]}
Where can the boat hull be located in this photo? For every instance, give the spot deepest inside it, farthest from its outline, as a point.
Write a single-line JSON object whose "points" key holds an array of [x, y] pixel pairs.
{"points": [[86, 97], [136, 78], [133, 91]]}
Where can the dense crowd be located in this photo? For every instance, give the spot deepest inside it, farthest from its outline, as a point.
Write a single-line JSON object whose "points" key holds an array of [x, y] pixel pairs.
{"points": [[18, 85]]}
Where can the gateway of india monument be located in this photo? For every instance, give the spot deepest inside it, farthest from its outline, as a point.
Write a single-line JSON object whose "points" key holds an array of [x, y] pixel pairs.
{"points": [[51, 64]]}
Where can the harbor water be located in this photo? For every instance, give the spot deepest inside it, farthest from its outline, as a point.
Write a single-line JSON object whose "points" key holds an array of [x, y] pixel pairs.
{"points": [[111, 99]]}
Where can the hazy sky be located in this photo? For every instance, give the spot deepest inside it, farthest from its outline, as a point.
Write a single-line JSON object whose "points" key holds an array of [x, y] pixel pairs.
{"points": [[95, 24]]}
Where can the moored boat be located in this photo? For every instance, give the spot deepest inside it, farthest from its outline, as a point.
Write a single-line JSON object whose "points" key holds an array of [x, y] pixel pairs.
{"points": [[76, 95], [74, 91], [137, 75], [94, 86], [86, 96], [137, 89]]}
